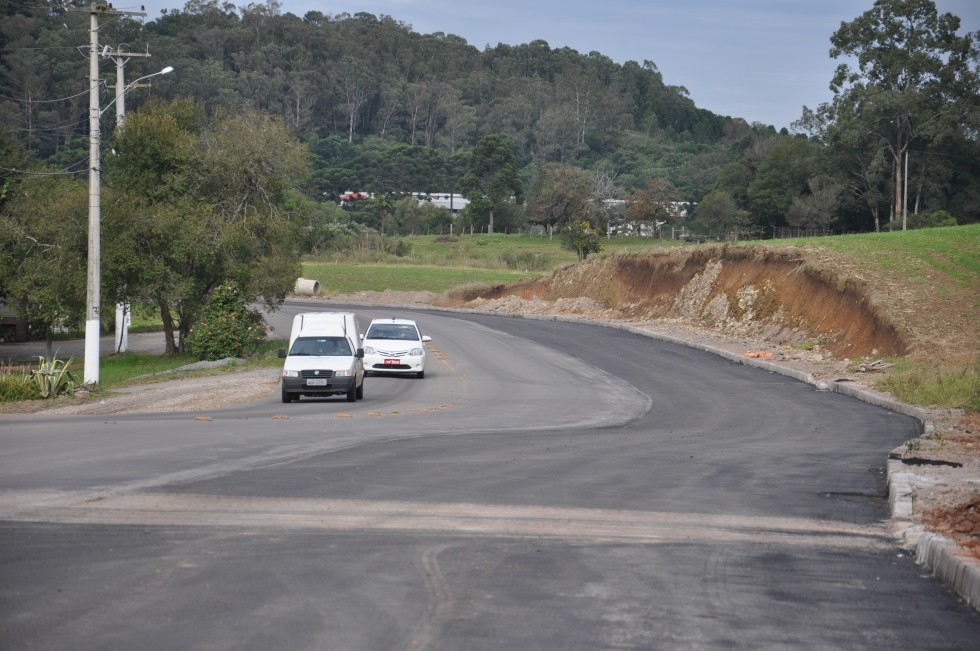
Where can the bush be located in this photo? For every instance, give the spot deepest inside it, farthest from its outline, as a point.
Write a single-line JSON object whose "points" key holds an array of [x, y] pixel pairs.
{"points": [[526, 260], [579, 236], [227, 327], [15, 386], [52, 378], [934, 219]]}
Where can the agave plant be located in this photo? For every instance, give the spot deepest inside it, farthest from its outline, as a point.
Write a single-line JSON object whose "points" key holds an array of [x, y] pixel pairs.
{"points": [[53, 378]]}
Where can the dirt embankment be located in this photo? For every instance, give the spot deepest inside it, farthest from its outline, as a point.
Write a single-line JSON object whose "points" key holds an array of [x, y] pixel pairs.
{"points": [[736, 291]]}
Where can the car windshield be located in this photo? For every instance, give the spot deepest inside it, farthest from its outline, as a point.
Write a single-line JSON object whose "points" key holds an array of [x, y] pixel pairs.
{"points": [[393, 331], [320, 347]]}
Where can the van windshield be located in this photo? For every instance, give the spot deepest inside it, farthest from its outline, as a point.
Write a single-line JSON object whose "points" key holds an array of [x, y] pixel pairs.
{"points": [[321, 347]]}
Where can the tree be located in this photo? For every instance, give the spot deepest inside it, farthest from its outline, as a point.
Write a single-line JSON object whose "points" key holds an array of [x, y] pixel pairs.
{"points": [[817, 210], [658, 203], [781, 177], [355, 82], [719, 214], [43, 246], [491, 178], [582, 237], [915, 80], [196, 204], [562, 194]]}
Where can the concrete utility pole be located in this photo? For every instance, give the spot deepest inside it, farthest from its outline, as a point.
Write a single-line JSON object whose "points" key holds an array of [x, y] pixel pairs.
{"points": [[122, 309], [93, 303]]}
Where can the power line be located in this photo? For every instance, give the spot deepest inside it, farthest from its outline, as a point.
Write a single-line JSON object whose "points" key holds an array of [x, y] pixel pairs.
{"points": [[43, 101]]}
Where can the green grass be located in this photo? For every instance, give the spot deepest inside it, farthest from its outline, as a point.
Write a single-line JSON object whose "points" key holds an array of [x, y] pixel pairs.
{"points": [[126, 368], [350, 278], [116, 370], [954, 387], [437, 266], [954, 251]]}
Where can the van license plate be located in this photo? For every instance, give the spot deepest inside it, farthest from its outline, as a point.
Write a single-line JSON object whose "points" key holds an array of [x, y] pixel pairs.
{"points": [[317, 382]]}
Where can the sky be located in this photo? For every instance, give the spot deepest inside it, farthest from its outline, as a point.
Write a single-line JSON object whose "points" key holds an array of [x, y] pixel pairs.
{"points": [[761, 60]]}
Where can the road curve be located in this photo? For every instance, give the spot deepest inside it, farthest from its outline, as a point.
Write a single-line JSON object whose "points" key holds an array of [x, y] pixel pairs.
{"points": [[547, 486]]}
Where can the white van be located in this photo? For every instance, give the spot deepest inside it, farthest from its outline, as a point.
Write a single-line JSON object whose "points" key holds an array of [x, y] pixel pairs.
{"points": [[324, 358]]}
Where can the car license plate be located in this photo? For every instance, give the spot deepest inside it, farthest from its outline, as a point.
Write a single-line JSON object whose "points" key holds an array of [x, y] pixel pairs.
{"points": [[391, 362], [317, 382]]}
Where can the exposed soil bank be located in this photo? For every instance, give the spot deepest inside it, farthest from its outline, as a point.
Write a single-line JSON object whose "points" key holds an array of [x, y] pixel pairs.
{"points": [[738, 291]]}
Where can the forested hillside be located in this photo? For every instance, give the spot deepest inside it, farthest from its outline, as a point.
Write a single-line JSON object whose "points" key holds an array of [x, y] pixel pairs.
{"points": [[229, 170], [385, 109]]}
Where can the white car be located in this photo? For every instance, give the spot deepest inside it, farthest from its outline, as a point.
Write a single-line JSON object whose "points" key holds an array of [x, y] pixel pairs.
{"points": [[395, 346]]}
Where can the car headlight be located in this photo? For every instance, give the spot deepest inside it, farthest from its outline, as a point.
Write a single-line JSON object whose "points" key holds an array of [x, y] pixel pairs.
{"points": [[369, 350], [286, 373], [415, 352]]}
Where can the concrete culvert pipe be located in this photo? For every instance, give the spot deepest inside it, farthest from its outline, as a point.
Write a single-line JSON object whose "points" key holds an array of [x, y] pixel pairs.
{"points": [[306, 287]]}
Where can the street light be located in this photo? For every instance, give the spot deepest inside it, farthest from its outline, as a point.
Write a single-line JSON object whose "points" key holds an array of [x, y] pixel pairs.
{"points": [[121, 90], [94, 291]]}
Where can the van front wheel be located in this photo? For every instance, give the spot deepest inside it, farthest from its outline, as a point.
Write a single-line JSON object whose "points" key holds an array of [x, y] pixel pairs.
{"points": [[287, 396], [352, 394]]}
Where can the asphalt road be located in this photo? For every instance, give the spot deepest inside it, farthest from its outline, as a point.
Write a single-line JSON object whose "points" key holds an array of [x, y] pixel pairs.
{"points": [[546, 486]]}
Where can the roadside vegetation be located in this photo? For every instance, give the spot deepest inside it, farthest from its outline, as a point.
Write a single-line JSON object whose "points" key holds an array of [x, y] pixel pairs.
{"points": [[899, 260]]}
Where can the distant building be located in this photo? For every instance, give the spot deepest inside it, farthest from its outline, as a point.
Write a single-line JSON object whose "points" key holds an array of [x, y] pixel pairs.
{"points": [[452, 202], [619, 225], [348, 198]]}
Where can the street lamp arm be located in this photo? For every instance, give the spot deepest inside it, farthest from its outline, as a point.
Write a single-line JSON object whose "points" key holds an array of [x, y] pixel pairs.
{"points": [[132, 84]]}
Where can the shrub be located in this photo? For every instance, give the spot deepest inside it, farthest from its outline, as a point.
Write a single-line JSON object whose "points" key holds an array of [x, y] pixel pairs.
{"points": [[227, 327], [52, 378], [579, 236], [526, 260], [17, 385], [934, 219]]}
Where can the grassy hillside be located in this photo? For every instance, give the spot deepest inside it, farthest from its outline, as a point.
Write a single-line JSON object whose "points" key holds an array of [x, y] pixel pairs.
{"points": [[910, 269]]}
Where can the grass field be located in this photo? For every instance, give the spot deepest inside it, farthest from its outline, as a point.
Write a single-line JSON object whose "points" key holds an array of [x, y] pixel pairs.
{"points": [[435, 265], [954, 251], [336, 279]]}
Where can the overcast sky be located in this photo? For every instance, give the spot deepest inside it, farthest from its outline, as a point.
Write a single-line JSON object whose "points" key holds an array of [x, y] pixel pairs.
{"points": [[761, 60]]}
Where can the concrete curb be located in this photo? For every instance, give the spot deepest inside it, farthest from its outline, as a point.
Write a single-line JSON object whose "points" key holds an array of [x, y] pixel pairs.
{"points": [[959, 570], [953, 565]]}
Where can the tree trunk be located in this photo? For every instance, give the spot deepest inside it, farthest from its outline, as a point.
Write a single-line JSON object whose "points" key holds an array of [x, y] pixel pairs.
{"points": [[168, 328], [490, 226], [898, 155]]}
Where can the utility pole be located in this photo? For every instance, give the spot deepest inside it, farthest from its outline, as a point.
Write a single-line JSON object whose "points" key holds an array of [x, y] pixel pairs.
{"points": [[93, 303], [122, 309]]}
